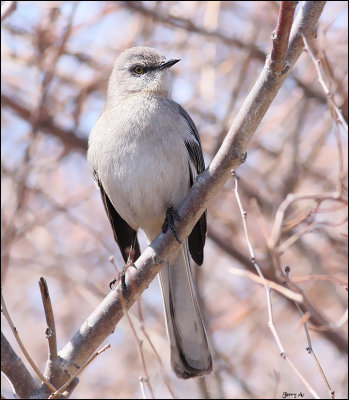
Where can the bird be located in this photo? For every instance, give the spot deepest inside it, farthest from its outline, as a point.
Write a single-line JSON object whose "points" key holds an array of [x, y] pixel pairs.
{"points": [[145, 154]]}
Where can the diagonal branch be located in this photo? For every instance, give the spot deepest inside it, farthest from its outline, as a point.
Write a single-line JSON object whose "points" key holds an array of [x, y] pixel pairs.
{"points": [[280, 36], [12, 366], [7, 8], [6, 314]]}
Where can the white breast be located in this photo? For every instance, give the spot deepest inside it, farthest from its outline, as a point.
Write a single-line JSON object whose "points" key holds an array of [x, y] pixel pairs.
{"points": [[142, 160]]}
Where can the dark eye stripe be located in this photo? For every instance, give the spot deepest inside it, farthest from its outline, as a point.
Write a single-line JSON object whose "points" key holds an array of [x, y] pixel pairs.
{"points": [[144, 69]]}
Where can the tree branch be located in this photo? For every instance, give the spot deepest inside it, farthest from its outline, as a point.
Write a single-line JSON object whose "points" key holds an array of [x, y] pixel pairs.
{"points": [[188, 25], [51, 327], [68, 137], [7, 8], [24, 350], [277, 60], [12, 366]]}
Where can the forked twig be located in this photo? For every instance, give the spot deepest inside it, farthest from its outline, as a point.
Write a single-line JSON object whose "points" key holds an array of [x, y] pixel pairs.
{"points": [[325, 88], [310, 347], [268, 291], [78, 372], [291, 199], [21, 345]]}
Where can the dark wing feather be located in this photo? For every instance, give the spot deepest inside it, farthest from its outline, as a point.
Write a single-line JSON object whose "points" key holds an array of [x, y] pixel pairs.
{"points": [[196, 239], [124, 235]]}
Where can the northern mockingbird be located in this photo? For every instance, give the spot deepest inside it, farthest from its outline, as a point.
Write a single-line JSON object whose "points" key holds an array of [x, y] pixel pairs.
{"points": [[145, 153]]}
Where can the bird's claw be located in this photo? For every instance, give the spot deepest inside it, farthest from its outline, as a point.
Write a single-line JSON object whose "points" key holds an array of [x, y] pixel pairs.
{"points": [[171, 217]]}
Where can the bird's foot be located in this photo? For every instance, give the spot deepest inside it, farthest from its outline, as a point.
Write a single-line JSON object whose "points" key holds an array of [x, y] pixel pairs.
{"points": [[171, 217], [122, 276]]}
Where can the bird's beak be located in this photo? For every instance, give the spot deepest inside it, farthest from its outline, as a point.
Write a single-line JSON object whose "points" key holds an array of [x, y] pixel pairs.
{"points": [[167, 64]]}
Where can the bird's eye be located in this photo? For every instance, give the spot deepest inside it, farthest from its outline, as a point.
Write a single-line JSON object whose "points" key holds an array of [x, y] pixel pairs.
{"points": [[138, 69]]}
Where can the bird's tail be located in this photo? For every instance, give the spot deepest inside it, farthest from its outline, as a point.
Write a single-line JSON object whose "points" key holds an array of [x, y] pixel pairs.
{"points": [[190, 354]]}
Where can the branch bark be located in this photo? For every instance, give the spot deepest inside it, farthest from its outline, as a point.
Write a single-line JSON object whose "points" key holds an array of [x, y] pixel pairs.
{"points": [[12, 366], [51, 326], [7, 8], [280, 36]]}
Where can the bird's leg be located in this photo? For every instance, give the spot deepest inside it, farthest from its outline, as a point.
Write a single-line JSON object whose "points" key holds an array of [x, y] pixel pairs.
{"points": [[129, 263], [171, 217]]}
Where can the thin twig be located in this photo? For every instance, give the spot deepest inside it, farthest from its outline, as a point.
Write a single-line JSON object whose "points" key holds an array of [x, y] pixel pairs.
{"points": [[141, 381], [162, 369], [7, 8], [280, 37], [189, 25], [21, 345], [139, 343], [319, 277], [325, 88], [51, 327], [273, 285], [290, 199], [335, 111], [293, 239], [313, 313], [268, 291], [332, 325], [78, 372], [310, 347], [340, 183], [49, 71]]}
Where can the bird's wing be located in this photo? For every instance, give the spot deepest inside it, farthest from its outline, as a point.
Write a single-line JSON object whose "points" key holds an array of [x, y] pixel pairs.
{"points": [[196, 239], [123, 233]]}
